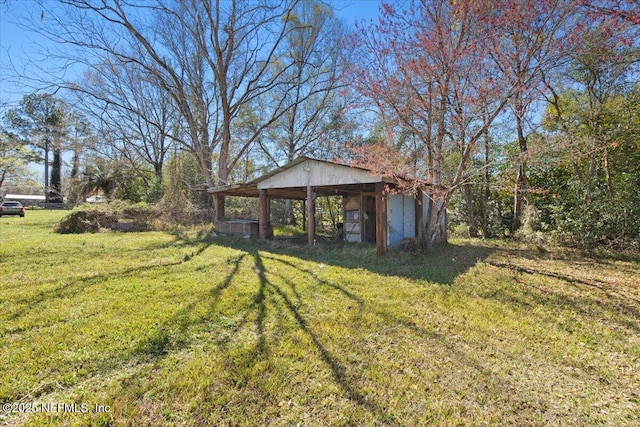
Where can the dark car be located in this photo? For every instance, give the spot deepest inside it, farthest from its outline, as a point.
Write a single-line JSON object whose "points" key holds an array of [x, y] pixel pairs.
{"points": [[11, 208]]}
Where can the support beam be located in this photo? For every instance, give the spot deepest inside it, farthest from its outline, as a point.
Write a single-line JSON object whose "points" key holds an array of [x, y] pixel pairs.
{"points": [[219, 202], [363, 222], [381, 218], [311, 216], [263, 219], [304, 216]]}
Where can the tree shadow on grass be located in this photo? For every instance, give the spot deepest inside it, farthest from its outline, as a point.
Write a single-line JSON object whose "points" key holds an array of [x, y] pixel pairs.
{"points": [[244, 336], [273, 296], [591, 297], [337, 369], [442, 265], [76, 285], [248, 338], [274, 284], [291, 307]]}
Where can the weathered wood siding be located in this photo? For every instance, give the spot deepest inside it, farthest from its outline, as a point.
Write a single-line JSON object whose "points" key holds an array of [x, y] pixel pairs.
{"points": [[316, 173]]}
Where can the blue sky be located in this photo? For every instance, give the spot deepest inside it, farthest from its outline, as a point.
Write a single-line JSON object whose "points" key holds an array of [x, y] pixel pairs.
{"points": [[17, 44]]}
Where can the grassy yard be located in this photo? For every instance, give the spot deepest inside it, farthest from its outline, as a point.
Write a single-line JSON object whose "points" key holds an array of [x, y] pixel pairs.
{"points": [[182, 329]]}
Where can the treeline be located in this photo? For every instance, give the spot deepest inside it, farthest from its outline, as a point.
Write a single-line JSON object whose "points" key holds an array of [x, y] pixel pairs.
{"points": [[522, 117]]}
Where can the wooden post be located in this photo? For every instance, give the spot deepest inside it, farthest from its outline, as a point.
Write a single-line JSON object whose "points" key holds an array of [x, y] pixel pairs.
{"points": [[263, 219], [218, 201], [311, 216], [419, 217], [381, 218], [363, 222], [304, 216]]}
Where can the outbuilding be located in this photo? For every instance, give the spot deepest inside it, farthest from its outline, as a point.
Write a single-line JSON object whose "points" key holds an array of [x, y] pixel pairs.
{"points": [[376, 210], [26, 199]]}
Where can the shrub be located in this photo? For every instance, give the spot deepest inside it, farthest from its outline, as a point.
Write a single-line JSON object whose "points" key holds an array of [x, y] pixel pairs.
{"points": [[126, 216], [174, 212], [85, 219], [89, 218], [601, 223]]}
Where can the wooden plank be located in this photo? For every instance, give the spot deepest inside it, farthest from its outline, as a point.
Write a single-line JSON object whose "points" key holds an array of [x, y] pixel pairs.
{"points": [[381, 219], [363, 222], [318, 173], [218, 200], [263, 218], [311, 216]]}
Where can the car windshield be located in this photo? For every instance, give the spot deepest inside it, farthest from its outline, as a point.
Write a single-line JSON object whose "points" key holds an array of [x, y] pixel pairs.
{"points": [[11, 204]]}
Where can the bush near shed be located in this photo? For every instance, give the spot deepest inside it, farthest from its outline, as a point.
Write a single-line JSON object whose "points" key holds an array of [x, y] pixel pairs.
{"points": [[89, 218]]}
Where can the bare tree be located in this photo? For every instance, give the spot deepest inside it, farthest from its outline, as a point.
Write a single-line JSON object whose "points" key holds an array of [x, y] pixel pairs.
{"points": [[313, 65], [211, 58], [423, 70], [141, 117], [532, 38]]}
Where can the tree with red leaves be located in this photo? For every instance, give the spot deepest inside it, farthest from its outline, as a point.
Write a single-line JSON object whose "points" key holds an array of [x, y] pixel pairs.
{"points": [[627, 11], [431, 69], [528, 39]]}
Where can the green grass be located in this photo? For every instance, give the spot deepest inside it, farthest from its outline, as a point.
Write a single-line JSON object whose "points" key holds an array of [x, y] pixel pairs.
{"points": [[182, 329], [288, 231]]}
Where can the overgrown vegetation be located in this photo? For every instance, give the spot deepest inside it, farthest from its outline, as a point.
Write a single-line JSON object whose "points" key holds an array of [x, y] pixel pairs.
{"points": [[533, 134], [183, 329], [125, 216], [92, 218]]}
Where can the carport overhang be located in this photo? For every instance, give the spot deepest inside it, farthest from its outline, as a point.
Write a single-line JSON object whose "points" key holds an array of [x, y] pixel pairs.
{"points": [[305, 179], [294, 193]]}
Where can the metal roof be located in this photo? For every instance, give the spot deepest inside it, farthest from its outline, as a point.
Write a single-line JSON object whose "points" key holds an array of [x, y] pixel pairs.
{"points": [[24, 197]]}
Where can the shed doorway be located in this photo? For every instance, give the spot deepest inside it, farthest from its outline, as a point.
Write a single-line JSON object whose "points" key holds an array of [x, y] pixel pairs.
{"points": [[360, 218]]}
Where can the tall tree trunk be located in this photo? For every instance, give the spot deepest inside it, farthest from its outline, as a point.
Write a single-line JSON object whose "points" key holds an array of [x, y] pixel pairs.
{"points": [[520, 186], [607, 170], [435, 227], [521, 178], [486, 191], [435, 230], [55, 193], [46, 170], [471, 218], [225, 148]]}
